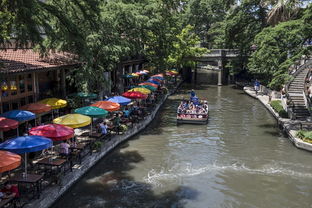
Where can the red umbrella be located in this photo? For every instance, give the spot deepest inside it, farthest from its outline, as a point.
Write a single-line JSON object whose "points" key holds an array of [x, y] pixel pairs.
{"points": [[36, 108], [135, 95], [7, 124], [56, 132]]}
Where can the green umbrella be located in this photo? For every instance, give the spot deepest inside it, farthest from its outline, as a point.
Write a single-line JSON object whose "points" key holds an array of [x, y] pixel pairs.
{"points": [[92, 111], [148, 87], [84, 95]]}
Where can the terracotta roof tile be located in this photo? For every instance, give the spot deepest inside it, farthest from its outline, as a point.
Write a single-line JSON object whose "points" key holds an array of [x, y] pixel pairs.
{"points": [[13, 61]]}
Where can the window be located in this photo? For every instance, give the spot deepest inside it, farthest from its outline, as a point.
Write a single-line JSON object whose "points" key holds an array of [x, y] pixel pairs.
{"points": [[14, 105], [23, 101], [30, 99], [21, 84], [29, 83], [5, 107]]}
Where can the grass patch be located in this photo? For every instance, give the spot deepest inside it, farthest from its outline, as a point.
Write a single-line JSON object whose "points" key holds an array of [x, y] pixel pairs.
{"points": [[306, 136], [278, 108]]}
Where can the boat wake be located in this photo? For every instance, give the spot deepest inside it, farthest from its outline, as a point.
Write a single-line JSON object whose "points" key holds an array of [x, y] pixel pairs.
{"points": [[178, 172]]}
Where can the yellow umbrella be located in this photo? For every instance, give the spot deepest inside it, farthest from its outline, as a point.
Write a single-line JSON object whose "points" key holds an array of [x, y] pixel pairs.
{"points": [[141, 90], [55, 103], [135, 75], [73, 120]]}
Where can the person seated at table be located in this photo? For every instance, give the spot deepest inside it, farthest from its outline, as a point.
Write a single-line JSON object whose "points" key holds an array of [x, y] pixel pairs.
{"points": [[64, 148], [116, 122], [126, 113], [10, 191], [103, 127]]}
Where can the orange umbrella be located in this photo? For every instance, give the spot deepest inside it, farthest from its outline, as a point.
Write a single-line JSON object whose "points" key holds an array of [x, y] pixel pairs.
{"points": [[9, 161], [7, 124], [107, 105], [37, 108]]}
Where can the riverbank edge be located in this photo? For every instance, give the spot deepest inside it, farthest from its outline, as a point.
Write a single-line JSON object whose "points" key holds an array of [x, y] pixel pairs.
{"points": [[51, 194], [283, 123]]}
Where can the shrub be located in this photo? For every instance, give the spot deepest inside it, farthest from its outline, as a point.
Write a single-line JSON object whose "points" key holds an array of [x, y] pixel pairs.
{"points": [[277, 106], [306, 136]]}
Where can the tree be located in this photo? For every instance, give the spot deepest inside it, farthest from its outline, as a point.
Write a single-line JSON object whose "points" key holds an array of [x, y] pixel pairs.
{"points": [[279, 47], [282, 10], [185, 48]]}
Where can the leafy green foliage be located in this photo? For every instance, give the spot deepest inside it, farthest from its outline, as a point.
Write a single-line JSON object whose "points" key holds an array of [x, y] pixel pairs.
{"points": [[305, 135], [185, 46], [277, 106]]}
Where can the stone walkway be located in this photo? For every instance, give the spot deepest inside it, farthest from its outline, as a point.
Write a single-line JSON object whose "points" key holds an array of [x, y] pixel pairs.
{"points": [[289, 126]]}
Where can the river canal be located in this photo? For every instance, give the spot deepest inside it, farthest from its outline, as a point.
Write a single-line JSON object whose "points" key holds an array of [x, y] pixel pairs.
{"points": [[240, 159]]}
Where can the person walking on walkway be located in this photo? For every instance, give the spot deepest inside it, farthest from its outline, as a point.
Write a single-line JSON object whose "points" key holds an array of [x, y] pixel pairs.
{"points": [[257, 86]]}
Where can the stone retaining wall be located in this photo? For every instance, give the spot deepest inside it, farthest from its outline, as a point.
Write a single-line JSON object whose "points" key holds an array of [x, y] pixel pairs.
{"points": [[289, 126]]}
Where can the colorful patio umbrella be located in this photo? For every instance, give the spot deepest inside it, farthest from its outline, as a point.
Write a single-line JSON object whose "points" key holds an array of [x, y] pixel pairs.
{"points": [[55, 103], [7, 124], [142, 72], [36, 108], [135, 95], [9, 161], [134, 75], [19, 115], [151, 88], [141, 90], [84, 95], [73, 120], [153, 81], [56, 132], [128, 76], [150, 84], [92, 111], [107, 105], [174, 72], [158, 75], [25, 144], [120, 99], [157, 78]]}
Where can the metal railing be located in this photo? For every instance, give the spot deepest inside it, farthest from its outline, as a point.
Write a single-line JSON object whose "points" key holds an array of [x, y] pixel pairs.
{"points": [[290, 103]]}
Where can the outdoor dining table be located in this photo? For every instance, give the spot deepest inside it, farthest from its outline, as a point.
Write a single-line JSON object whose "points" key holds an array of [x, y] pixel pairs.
{"points": [[34, 179], [53, 162], [81, 148]]}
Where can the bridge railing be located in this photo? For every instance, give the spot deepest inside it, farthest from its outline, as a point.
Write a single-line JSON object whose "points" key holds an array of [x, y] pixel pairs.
{"points": [[222, 52]]}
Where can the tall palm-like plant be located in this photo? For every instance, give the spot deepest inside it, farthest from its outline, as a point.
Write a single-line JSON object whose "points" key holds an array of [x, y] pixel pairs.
{"points": [[282, 10]]}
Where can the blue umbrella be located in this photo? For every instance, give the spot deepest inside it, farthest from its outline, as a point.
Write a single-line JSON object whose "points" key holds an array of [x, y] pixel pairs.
{"points": [[120, 99], [153, 81], [158, 77], [19, 115], [25, 144]]}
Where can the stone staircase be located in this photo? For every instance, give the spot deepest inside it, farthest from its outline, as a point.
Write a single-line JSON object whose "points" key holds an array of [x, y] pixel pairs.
{"points": [[295, 95]]}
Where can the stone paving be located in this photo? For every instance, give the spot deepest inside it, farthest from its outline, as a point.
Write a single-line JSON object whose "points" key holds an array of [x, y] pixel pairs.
{"points": [[290, 127]]}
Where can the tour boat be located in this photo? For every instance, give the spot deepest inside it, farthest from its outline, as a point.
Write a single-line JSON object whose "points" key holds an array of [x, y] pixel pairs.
{"points": [[184, 117]]}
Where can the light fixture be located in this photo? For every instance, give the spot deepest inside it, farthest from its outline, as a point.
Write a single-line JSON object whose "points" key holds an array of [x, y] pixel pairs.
{"points": [[13, 86], [4, 86]]}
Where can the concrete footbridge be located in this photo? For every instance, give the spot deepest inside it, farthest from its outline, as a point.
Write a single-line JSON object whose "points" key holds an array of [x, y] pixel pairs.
{"points": [[215, 60]]}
